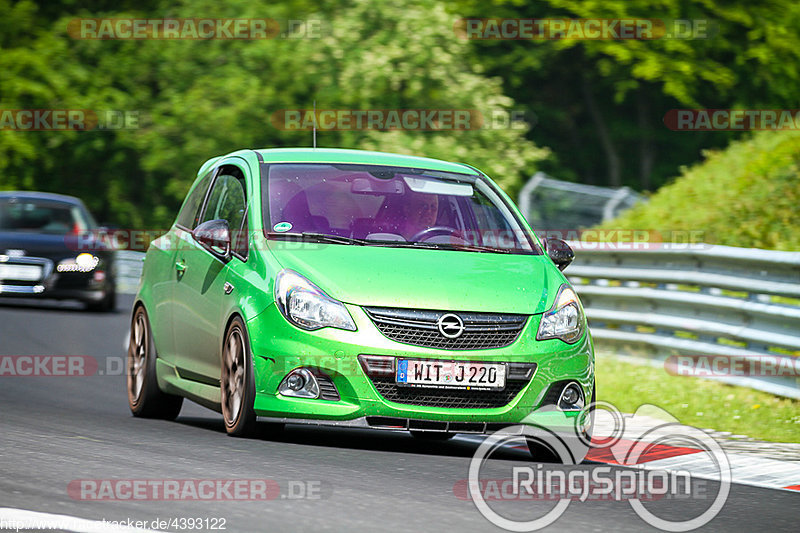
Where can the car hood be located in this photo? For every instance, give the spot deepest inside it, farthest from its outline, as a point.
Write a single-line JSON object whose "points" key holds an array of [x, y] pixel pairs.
{"points": [[47, 245], [425, 279], [34, 244]]}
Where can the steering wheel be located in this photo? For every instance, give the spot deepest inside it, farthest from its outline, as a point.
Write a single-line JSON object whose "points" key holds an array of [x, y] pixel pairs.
{"points": [[433, 231]]}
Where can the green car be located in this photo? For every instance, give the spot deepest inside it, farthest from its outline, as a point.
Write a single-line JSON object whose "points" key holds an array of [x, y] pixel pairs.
{"points": [[359, 289]]}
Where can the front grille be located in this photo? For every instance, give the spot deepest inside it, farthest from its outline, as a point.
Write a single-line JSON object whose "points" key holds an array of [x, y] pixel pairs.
{"points": [[449, 398], [419, 327]]}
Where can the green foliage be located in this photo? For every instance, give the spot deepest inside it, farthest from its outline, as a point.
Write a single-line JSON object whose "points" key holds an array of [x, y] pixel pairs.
{"points": [[750, 59], [746, 195], [197, 99], [702, 403]]}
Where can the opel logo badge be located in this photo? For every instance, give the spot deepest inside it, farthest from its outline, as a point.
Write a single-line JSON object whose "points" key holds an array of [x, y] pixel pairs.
{"points": [[450, 325]]}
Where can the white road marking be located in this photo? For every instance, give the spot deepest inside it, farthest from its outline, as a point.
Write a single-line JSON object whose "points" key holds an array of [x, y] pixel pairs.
{"points": [[21, 519]]}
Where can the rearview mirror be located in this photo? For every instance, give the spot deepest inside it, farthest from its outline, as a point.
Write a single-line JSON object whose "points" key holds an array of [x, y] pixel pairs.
{"points": [[214, 236], [559, 252]]}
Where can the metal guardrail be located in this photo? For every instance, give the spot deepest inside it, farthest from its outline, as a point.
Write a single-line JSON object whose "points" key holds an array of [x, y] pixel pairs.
{"points": [[129, 270], [548, 203], [674, 299], [695, 300]]}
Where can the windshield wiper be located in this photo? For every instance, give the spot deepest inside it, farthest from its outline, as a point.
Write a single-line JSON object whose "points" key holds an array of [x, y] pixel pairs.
{"points": [[317, 237], [338, 239], [476, 248], [444, 246]]}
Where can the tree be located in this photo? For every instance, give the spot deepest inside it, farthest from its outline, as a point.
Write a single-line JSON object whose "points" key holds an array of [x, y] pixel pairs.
{"points": [[605, 99], [198, 98]]}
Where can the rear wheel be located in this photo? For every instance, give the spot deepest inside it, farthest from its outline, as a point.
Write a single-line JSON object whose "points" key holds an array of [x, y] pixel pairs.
{"points": [[145, 399], [237, 388]]}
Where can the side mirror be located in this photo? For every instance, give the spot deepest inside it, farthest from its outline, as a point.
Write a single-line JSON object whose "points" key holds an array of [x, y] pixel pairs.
{"points": [[559, 252], [214, 236]]}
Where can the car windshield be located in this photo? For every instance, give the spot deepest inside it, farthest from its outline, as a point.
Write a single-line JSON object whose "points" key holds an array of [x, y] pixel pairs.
{"points": [[42, 216], [389, 206]]}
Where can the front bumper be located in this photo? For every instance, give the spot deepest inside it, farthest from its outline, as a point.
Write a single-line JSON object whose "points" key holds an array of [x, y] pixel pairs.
{"points": [[58, 285], [278, 347]]}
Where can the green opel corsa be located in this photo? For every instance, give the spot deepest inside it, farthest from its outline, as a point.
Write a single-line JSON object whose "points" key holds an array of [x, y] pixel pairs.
{"points": [[360, 289]]}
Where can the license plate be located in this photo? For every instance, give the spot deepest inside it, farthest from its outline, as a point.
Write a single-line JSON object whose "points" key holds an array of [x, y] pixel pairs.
{"points": [[440, 374], [20, 272]]}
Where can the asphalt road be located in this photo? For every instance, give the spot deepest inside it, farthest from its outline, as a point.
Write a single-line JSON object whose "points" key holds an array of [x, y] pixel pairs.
{"points": [[54, 430]]}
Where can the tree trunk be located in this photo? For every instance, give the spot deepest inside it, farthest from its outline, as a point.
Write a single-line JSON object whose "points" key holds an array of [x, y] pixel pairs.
{"points": [[612, 157], [646, 150]]}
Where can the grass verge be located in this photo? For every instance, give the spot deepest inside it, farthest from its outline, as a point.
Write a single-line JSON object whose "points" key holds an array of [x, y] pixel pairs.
{"points": [[698, 402]]}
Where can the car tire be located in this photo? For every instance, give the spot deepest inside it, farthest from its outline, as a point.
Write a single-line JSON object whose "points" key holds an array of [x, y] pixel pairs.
{"points": [[432, 435], [145, 399], [237, 386]]}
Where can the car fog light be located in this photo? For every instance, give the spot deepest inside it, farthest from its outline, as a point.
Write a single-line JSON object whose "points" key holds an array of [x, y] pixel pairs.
{"points": [[295, 382], [571, 397], [299, 383]]}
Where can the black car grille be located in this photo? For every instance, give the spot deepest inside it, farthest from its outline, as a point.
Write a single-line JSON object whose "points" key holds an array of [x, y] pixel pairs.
{"points": [[419, 327], [449, 398], [327, 390]]}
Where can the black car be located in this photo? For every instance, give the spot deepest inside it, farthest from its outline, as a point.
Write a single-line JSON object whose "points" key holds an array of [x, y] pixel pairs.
{"points": [[51, 247]]}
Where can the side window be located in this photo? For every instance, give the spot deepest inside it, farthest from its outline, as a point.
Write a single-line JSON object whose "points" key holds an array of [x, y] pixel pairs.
{"points": [[228, 201], [190, 212]]}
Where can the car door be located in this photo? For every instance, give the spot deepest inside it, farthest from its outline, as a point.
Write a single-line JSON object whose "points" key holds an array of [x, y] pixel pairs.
{"points": [[162, 274], [200, 287]]}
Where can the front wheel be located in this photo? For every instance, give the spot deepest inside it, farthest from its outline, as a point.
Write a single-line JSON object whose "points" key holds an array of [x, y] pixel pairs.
{"points": [[237, 388], [145, 399]]}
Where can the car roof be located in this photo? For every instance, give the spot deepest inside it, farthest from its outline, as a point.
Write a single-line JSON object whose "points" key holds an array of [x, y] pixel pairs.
{"points": [[367, 157], [37, 195]]}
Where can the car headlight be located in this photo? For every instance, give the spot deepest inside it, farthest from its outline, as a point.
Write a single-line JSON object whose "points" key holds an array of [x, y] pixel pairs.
{"points": [[305, 305], [565, 320], [82, 263]]}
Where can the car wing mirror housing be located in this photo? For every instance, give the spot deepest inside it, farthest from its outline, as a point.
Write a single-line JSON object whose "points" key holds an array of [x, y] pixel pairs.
{"points": [[214, 236], [559, 252]]}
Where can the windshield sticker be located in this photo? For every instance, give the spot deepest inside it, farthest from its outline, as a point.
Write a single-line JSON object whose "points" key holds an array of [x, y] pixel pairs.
{"points": [[282, 226]]}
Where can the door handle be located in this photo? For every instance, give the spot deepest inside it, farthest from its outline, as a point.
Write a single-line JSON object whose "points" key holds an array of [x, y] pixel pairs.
{"points": [[180, 266]]}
